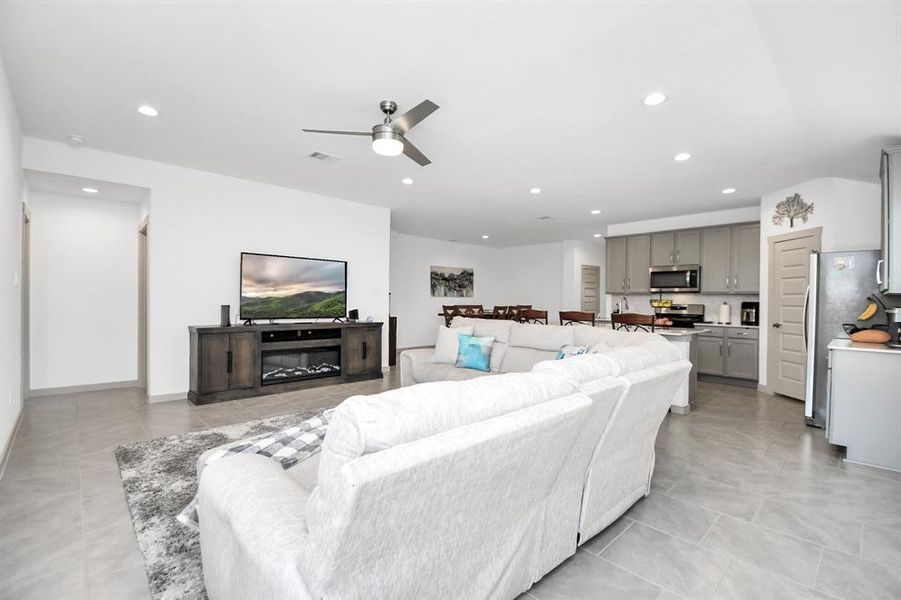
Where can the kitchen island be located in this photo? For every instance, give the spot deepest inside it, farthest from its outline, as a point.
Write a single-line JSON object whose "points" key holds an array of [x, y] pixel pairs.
{"points": [[865, 402], [686, 339]]}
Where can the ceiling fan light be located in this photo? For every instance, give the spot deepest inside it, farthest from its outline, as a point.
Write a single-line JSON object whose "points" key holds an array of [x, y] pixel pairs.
{"points": [[387, 142]]}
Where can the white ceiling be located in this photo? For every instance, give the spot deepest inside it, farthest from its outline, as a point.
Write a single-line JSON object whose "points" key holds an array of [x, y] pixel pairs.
{"points": [[56, 183], [763, 95]]}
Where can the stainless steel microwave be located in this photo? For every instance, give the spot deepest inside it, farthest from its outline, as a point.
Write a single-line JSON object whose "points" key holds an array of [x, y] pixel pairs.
{"points": [[677, 278]]}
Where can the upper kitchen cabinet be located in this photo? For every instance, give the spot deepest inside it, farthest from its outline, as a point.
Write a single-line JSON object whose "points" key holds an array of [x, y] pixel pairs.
{"points": [[888, 272], [676, 248], [716, 268], [628, 265], [730, 260], [616, 266], [638, 261], [745, 258]]}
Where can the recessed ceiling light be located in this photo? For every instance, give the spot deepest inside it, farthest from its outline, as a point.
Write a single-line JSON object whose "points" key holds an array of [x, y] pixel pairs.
{"points": [[597, 235], [729, 191], [654, 98], [148, 111], [596, 211], [89, 190], [407, 181], [535, 190], [682, 157], [486, 236]]}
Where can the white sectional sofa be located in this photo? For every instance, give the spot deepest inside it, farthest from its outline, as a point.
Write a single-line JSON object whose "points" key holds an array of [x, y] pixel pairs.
{"points": [[517, 348], [453, 489]]}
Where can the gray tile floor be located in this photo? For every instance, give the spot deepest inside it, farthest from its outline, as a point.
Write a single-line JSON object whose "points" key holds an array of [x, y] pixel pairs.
{"points": [[747, 503]]}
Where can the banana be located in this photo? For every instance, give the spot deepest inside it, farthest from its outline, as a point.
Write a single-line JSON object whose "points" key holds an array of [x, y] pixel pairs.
{"points": [[868, 312]]}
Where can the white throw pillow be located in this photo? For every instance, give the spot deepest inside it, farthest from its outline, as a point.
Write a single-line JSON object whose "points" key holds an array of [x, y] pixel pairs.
{"points": [[447, 346], [570, 350]]}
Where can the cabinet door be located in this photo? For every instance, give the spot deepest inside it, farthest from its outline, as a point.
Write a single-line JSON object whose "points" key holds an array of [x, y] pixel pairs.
{"points": [[663, 252], [616, 265], [715, 268], [638, 259], [243, 360], [688, 247], [213, 362], [710, 355], [741, 359], [746, 259], [363, 350]]}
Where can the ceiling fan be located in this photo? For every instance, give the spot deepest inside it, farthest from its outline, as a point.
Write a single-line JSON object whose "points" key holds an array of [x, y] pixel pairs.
{"points": [[388, 139]]}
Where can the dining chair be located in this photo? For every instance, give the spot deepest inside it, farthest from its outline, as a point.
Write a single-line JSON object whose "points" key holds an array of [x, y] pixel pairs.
{"points": [[499, 312], [632, 322], [571, 317], [535, 317]]}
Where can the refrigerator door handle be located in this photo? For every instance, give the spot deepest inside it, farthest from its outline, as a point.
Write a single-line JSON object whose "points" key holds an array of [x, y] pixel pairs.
{"points": [[804, 317]]}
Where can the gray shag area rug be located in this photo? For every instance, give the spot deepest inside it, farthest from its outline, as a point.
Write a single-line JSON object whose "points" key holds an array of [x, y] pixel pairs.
{"points": [[160, 479]]}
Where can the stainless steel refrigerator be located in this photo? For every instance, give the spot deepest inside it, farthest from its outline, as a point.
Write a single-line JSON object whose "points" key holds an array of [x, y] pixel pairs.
{"points": [[839, 285]]}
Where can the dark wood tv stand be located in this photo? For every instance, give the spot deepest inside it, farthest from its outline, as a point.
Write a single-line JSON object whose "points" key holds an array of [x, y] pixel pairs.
{"points": [[256, 360]]}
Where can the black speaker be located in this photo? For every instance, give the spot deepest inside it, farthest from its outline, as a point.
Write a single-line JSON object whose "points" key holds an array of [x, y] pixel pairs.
{"points": [[353, 314], [225, 315]]}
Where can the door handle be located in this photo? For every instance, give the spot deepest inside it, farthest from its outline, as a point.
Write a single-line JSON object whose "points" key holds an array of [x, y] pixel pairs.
{"points": [[777, 325], [729, 353], [721, 348], [672, 259], [229, 361], [879, 271], [735, 283], [364, 350], [678, 255], [727, 282], [804, 316]]}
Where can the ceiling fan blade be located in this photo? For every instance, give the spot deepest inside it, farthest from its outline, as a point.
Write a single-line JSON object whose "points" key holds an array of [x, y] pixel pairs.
{"points": [[412, 117], [413, 152], [366, 133]]}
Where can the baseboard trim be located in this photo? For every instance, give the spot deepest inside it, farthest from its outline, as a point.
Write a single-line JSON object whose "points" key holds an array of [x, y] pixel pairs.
{"points": [[88, 387], [7, 449], [680, 410], [167, 397], [763, 389], [744, 383]]}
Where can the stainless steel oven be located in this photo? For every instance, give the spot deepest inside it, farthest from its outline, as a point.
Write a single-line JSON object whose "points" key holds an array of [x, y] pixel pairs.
{"points": [[677, 278]]}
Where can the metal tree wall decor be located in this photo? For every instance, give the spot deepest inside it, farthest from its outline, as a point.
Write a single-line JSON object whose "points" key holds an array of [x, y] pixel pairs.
{"points": [[792, 207]]}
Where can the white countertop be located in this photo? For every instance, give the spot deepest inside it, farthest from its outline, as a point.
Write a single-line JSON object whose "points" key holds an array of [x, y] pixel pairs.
{"points": [[847, 344], [729, 325], [681, 331]]}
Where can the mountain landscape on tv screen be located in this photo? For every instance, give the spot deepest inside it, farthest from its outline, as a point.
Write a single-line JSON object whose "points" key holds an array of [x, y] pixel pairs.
{"points": [[306, 305]]}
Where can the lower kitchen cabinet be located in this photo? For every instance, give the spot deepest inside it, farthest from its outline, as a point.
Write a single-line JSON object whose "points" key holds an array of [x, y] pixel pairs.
{"points": [[729, 352]]}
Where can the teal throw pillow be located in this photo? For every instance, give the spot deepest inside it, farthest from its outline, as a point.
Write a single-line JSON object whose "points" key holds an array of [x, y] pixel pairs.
{"points": [[475, 352]]}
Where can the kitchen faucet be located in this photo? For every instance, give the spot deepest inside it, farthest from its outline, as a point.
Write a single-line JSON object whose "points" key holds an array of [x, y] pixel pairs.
{"points": [[623, 304]]}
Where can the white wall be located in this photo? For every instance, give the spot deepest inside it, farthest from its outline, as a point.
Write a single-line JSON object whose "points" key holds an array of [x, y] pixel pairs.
{"points": [[847, 210], [546, 276], [84, 293], [200, 222], [12, 190], [706, 219]]}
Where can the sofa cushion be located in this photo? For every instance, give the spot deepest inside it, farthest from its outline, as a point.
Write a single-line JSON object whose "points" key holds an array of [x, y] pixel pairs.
{"points": [[521, 360], [541, 337], [427, 373], [586, 335], [475, 353], [364, 424], [499, 330], [447, 344], [581, 369]]}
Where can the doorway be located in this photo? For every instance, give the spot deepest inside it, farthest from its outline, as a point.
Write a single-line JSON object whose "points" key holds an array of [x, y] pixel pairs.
{"points": [[26, 300], [142, 304], [590, 289], [789, 272]]}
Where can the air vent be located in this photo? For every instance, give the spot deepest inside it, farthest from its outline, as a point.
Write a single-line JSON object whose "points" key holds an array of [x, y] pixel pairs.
{"points": [[545, 218], [317, 155]]}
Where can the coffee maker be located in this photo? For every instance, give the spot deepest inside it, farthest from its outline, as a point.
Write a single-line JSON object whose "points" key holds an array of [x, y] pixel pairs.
{"points": [[750, 313]]}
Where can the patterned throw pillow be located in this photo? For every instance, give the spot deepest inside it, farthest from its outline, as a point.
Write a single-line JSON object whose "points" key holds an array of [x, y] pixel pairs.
{"points": [[570, 350], [475, 352]]}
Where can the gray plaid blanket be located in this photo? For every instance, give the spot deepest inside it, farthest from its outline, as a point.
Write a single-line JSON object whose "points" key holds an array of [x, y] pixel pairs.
{"points": [[288, 447]]}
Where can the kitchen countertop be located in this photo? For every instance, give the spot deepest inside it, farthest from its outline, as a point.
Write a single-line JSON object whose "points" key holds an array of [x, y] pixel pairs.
{"points": [[681, 331], [729, 325], [847, 344]]}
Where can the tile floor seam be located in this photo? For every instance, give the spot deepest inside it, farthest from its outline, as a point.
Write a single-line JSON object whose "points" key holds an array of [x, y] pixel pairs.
{"points": [[663, 588], [709, 529], [619, 535]]}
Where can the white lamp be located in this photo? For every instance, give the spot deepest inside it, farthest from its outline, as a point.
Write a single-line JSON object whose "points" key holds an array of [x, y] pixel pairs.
{"points": [[386, 141]]}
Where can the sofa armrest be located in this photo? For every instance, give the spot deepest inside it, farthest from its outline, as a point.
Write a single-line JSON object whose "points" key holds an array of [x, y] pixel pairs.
{"points": [[409, 359], [252, 530]]}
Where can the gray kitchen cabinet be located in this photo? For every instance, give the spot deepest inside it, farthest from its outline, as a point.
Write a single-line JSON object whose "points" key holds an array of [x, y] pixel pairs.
{"points": [[638, 261], [688, 247], [676, 248], [616, 266], [745, 258], [716, 268], [663, 249], [740, 358], [710, 355]]}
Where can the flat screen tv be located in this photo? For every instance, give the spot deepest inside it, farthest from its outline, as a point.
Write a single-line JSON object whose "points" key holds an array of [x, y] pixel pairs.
{"points": [[292, 287]]}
